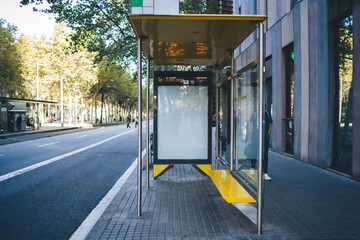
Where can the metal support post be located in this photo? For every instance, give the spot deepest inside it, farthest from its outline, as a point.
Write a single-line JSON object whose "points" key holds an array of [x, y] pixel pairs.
{"points": [[147, 121], [139, 129], [37, 93], [217, 120], [232, 113], [61, 102], [37, 117], [70, 108], [260, 150]]}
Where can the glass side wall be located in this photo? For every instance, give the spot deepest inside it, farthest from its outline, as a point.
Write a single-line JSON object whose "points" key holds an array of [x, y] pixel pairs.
{"points": [[224, 123], [246, 125]]}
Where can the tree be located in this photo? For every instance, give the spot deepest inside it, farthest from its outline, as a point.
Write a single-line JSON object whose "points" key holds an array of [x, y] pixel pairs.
{"points": [[11, 82], [199, 7], [114, 83], [100, 25]]}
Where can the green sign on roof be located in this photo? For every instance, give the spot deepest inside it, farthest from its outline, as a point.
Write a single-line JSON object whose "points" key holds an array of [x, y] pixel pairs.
{"points": [[136, 3]]}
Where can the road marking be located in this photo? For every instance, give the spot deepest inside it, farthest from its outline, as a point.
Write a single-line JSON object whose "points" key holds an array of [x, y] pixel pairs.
{"points": [[2, 155], [82, 136], [97, 212], [46, 162], [48, 144]]}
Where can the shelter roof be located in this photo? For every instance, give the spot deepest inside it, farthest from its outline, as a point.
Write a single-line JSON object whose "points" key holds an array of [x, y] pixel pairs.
{"points": [[27, 100], [201, 39]]}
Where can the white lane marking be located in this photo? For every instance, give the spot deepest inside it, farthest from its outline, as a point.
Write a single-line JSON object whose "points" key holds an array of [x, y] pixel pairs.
{"points": [[2, 155], [82, 136], [48, 144], [32, 167], [97, 212]]}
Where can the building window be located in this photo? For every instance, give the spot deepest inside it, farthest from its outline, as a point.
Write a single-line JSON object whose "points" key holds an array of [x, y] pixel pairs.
{"points": [[289, 102], [342, 154]]}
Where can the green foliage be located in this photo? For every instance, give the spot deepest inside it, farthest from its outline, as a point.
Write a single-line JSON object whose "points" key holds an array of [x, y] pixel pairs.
{"points": [[345, 54], [82, 79], [11, 82], [199, 7], [99, 25], [345, 39]]}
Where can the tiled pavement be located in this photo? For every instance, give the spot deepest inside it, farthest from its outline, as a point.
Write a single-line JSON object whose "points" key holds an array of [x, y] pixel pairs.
{"points": [[301, 202]]}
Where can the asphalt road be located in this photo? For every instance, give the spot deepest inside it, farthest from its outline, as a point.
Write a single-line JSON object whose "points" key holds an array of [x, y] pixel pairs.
{"points": [[52, 200]]}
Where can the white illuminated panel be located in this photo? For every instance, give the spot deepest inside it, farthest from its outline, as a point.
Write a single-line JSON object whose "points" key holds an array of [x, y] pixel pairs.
{"points": [[182, 122]]}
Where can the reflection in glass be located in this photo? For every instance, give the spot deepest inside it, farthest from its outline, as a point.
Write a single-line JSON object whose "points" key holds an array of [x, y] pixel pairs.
{"points": [[246, 125], [224, 130], [289, 101], [343, 96]]}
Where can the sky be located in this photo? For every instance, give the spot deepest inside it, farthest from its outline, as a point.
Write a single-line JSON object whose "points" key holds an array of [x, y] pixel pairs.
{"points": [[27, 21]]}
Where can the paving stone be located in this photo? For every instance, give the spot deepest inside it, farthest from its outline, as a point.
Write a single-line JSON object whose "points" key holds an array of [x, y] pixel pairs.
{"points": [[301, 202]]}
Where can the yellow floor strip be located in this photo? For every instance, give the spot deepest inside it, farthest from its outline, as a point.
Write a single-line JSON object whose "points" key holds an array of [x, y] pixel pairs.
{"points": [[228, 187], [206, 168], [159, 168]]}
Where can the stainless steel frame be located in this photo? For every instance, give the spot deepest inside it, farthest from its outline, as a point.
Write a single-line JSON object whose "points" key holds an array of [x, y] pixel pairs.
{"points": [[139, 129], [260, 150], [147, 120], [232, 113], [217, 121]]}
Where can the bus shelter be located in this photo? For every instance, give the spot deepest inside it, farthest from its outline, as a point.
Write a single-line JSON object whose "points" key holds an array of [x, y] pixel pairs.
{"points": [[182, 120], [28, 109]]}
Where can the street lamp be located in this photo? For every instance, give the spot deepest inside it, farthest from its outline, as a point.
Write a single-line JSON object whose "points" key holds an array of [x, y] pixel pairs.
{"points": [[61, 101]]}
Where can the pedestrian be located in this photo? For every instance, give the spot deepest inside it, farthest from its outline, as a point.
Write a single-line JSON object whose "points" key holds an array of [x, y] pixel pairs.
{"points": [[128, 122], [136, 121], [18, 123], [29, 123], [251, 149], [268, 128]]}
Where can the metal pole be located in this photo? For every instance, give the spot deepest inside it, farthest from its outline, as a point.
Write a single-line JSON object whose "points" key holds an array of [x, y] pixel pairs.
{"points": [[139, 128], [37, 79], [76, 111], [147, 121], [37, 118], [232, 113], [217, 121], [62, 101], [37, 92], [70, 108], [260, 150]]}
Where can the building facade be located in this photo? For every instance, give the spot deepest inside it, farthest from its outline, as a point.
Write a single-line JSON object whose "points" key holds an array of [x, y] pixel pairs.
{"points": [[312, 86]]}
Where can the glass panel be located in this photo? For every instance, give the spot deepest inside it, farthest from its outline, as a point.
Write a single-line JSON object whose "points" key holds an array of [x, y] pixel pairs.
{"points": [[246, 125], [344, 94], [224, 141], [183, 112], [289, 107]]}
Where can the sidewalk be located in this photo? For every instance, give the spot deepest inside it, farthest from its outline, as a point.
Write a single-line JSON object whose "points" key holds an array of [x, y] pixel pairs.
{"points": [[301, 202], [46, 130], [56, 127], [47, 127]]}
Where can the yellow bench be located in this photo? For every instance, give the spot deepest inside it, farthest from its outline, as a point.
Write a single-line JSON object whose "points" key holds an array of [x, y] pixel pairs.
{"points": [[228, 187]]}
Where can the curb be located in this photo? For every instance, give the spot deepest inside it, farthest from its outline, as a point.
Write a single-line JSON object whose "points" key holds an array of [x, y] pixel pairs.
{"points": [[6, 135]]}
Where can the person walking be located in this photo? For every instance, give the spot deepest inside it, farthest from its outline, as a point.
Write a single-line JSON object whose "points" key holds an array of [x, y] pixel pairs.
{"points": [[128, 122], [18, 122], [268, 128], [136, 121]]}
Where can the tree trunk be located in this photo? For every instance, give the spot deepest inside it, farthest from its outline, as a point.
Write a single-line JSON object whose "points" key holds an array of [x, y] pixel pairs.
{"points": [[102, 106]]}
